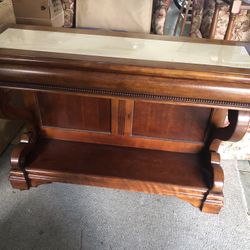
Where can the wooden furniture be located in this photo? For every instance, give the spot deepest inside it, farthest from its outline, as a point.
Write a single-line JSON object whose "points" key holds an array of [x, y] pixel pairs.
{"points": [[124, 111], [185, 14]]}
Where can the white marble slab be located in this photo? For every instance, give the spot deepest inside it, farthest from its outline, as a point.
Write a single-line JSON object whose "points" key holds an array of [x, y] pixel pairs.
{"points": [[122, 47]]}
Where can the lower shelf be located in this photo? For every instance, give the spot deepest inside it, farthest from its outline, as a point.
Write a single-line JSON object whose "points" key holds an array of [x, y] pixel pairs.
{"points": [[149, 171]]}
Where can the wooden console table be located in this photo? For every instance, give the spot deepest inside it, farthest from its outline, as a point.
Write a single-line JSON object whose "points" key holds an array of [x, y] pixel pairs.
{"points": [[135, 112]]}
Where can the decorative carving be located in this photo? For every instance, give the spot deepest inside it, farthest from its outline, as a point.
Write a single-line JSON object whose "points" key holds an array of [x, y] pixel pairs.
{"points": [[145, 96], [213, 199], [18, 175], [238, 124]]}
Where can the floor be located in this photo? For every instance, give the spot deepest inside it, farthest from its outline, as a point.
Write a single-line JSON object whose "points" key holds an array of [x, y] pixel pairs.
{"points": [[63, 216]]}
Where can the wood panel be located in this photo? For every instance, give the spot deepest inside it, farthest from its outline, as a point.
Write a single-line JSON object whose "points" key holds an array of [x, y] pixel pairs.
{"points": [[169, 121], [116, 162], [122, 116], [76, 112], [122, 140]]}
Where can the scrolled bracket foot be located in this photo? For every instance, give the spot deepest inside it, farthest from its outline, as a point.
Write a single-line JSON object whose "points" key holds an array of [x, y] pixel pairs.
{"points": [[213, 200], [18, 176], [239, 122], [19, 180], [213, 173], [212, 203]]}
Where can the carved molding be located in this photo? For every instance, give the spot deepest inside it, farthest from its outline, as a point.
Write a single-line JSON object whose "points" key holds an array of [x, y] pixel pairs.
{"points": [[237, 128], [213, 199], [238, 125], [146, 96], [18, 175]]}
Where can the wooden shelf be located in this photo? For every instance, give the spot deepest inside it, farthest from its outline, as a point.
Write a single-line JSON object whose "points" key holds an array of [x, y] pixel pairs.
{"points": [[133, 169]]}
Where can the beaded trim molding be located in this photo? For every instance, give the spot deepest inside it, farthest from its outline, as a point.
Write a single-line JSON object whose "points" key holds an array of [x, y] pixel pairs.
{"points": [[146, 96]]}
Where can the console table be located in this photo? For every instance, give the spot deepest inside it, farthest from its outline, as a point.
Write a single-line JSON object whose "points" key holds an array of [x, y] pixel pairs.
{"points": [[135, 112]]}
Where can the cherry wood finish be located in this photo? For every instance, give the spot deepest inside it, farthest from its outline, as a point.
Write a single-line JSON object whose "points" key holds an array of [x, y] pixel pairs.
{"points": [[143, 126], [58, 110], [148, 122]]}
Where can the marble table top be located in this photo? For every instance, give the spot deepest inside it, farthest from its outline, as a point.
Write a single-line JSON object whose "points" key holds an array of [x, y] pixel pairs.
{"points": [[126, 47]]}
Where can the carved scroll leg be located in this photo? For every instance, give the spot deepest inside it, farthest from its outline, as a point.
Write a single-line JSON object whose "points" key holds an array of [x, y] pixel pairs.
{"points": [[238, 125], [237, 128], [213, 200], [18, 175]]}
